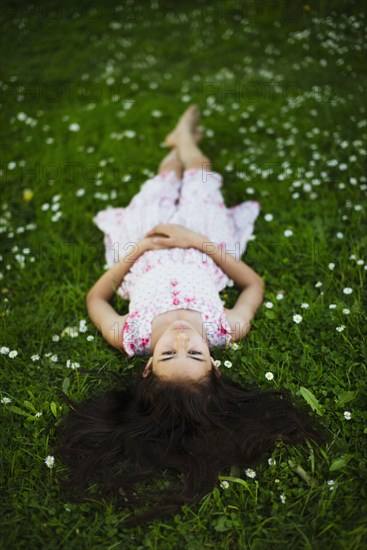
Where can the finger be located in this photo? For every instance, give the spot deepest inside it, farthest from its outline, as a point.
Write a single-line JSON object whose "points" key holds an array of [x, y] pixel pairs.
{"points": [[160, 227], [163, 228], [154, 229], [162, 241], [151, 232]]}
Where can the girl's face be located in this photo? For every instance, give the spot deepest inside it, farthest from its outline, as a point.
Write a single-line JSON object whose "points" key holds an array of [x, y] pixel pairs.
{"points": [[180, 352]]}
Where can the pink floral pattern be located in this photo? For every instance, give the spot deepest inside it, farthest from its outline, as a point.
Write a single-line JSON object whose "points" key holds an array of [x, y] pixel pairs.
{"points": [[176, 278]]}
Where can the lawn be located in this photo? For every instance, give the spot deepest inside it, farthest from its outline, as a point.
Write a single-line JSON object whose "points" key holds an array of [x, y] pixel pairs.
{"points": [[88, 92]]}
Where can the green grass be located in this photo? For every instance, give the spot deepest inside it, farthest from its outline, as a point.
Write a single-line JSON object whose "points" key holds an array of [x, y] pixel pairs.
{"points": [[254, 82]]}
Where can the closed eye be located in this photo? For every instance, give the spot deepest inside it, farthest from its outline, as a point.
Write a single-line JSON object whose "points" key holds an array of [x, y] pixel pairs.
{"points": [[171, 353]]}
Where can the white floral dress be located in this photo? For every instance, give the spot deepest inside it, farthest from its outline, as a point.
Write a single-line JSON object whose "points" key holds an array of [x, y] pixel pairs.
{"points": [[176, 278]]}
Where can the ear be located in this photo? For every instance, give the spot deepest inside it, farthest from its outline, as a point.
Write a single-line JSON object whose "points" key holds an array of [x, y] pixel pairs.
{"points": [[148, 368]]}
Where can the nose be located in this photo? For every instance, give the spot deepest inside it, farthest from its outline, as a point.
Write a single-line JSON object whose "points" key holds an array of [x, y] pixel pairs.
{"points": [[182, 339]]}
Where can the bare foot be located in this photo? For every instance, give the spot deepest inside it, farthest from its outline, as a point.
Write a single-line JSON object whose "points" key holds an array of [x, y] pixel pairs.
{"points": [[187, 124]]}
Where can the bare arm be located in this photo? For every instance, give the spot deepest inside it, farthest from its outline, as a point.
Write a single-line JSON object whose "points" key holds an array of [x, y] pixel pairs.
{"points": [[106, 320], [247, 279], [109, 282], [100, 311], [244, 310]]}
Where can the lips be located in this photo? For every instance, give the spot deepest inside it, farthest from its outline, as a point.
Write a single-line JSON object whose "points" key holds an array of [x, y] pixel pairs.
{"points": [[181, 324]]}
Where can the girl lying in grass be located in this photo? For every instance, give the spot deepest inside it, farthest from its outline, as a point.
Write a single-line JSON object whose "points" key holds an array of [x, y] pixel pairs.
{"points": [[181, 412]]}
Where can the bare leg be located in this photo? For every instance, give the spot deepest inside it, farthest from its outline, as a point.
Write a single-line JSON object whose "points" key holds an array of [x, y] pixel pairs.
{"points": [[191, 155], [171, 162], [183, 138]]}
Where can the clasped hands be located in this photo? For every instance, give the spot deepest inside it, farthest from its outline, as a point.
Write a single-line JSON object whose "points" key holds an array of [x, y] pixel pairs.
{"points": [[170, 235]]}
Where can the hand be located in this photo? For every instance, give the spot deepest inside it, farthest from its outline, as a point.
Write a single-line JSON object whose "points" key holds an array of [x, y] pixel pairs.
{"points": [[140, 247], [171, 235]]}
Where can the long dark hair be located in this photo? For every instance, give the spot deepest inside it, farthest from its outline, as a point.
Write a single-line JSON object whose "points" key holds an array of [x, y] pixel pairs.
{"points": [[197, 428]]}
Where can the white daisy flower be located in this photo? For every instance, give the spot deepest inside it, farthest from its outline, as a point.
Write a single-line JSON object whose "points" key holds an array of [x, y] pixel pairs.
{"points": [[53, 358], [347, 290], [5, 400], [268, 217], [282, 499], [318, 284], [235, 346], [304, 305], [331, 484], [70, 331], [50, 461], [71, 365], [272, 461], [288, 233], [332, 306], [341, 328], [297, 318], [4, 350], [74, 127], [346, 311], [279, 296], [250, 473], [269, 375], [35, 357], [228, 364], [217, 363], [130, 133], [331, 266], [347, 415], [224, 484], [37, 415], [90, 338], [13, 353], [269, 305], [80, 192], [339, 235], [56, 338]]}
